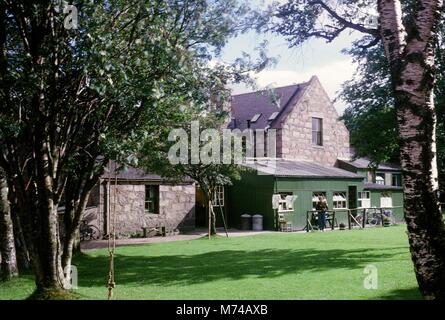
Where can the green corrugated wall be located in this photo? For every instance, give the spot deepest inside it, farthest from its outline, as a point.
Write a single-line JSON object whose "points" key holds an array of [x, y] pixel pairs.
{"points": [[397, 201], [304, 189], [253, 195]]}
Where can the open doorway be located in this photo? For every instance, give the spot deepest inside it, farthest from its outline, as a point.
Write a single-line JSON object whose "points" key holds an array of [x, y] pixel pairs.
{"points": [[352, 197]]}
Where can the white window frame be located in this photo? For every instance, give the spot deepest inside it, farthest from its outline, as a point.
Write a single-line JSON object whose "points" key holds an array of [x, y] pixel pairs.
{"points": [[339, 203], [318, 131], [385, 200], [380, 180], [283, 203], [364, 201]]}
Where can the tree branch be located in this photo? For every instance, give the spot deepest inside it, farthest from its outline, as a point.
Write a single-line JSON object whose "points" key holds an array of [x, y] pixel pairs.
{"points": [[343, 21]]}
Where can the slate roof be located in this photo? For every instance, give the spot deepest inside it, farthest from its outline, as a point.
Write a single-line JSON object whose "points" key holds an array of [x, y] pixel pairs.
{"points": [[375, 186], [134, 174], [300, 168], [265, 102], [363, 163]]}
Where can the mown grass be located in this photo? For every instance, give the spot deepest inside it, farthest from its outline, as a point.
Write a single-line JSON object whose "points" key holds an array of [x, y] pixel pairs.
{"points": [[317, 265]]}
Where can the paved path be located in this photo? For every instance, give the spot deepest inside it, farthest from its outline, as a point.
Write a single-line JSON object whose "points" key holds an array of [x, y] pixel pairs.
{"points": [[199, 233]]}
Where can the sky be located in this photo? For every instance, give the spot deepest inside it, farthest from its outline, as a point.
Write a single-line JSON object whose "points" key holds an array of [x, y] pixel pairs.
{"points": [[295, 65]]}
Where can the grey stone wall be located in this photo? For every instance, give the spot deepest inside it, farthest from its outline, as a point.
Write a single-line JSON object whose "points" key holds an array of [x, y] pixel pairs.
{"points": [[176, 207], [294, 139]]}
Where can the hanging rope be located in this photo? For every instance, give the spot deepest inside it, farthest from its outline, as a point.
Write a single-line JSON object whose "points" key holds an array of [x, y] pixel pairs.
{"points": [[112, 241]]}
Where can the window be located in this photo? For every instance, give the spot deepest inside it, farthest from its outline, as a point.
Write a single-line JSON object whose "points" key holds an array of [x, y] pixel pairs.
{"points": [[317, 131], [286, 202], [397, 179], [218, 196], [339, 200], [315, 198], [385, 200], [273, 116], [255, 118], [364, 199], [152, 199], [380, 178]]}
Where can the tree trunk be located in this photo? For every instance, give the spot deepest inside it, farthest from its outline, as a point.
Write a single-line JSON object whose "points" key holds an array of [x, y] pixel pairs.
{"points": [[7, 247], [373, 174], [212, 219], [77, 194], [23, 261], [411, 58], [38, 218], [49, 246], [424, 220], [210, 213]]}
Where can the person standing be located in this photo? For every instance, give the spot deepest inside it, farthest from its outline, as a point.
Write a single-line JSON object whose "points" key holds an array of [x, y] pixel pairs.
{"points": [[322, 208]]}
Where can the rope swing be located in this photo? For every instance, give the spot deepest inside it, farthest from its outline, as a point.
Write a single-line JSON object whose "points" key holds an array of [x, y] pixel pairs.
{"points": [[112, 241]]}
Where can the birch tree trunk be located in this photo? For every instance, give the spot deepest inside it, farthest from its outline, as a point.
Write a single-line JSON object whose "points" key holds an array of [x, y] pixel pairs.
{"points": [[7, 247], [410, 53], [23, 262]]}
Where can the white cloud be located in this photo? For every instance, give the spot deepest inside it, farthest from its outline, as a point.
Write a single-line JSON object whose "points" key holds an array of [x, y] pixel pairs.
{"points": [[331, 77]]}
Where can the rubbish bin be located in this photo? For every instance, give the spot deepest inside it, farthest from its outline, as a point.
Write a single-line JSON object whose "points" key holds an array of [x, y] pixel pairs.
{"points": [[257, 222], [246, 222]]}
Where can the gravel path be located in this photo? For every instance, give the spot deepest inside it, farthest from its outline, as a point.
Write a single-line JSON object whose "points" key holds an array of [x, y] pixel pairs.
{"points": [[199, 233]]}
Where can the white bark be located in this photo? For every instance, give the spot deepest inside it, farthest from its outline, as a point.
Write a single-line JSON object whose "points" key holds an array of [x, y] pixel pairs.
{"points": [[411, 58]]}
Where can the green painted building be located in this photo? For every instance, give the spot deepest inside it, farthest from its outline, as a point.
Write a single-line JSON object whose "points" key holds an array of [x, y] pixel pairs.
{"points": [[305, 180], [387, 189], [313, 158], [343, 189]]}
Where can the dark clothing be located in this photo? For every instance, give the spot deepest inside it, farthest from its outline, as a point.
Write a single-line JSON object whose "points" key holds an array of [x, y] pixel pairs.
{"points": [[321, 207], [322, 220]]}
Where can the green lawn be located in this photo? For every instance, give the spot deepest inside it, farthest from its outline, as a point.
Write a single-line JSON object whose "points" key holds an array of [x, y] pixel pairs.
{"points": [[326, 265]]}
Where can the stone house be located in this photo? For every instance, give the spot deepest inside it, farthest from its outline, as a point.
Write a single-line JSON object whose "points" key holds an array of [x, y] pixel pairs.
{"points": [[140, 200], [310, 140], [306, 122]]}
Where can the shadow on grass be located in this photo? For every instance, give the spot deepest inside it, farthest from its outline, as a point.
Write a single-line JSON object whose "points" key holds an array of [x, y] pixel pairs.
{"points": [[403, 294], [169, 270]]}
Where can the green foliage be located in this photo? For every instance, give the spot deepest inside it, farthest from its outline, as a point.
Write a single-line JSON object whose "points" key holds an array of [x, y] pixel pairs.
{"points": [[71, 99], [370, 115], [301, 20], [154, 154]]}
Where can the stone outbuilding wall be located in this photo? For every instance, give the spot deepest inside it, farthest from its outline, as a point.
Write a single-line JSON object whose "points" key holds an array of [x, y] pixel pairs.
{"points": [[127, 199]]}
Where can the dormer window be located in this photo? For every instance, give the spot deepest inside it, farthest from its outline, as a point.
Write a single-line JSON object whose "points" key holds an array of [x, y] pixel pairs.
{"points": [[255, 118], [273, 116]]}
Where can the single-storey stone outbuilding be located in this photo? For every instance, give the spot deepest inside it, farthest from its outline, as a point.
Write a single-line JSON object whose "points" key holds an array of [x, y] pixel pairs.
{"points": [[140, 201]]}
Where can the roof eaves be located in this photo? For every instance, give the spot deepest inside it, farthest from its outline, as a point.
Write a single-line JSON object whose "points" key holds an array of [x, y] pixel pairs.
{"points": [[317, 176]]}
